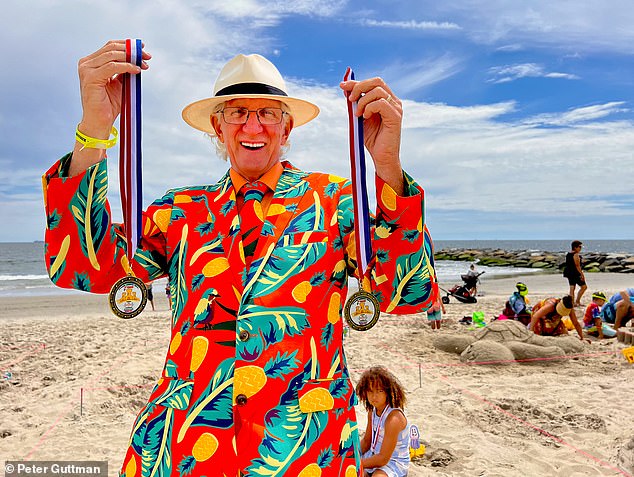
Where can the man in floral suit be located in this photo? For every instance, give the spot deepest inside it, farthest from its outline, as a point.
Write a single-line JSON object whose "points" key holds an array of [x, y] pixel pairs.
{"points": [[255, 379]]}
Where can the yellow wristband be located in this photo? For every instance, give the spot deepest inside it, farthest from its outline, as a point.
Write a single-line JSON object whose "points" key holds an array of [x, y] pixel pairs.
{"points": [[93, 143]]}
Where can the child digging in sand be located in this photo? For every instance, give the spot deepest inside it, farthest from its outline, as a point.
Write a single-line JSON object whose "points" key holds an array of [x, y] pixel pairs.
{"points": [[592, 322], [385, 444]]}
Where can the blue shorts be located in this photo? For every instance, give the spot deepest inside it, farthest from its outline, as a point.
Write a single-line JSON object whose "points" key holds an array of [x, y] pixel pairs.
{"points": [[434, 315], [392, 468]]}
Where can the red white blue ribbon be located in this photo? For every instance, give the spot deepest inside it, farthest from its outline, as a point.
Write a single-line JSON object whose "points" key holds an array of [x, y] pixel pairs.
{"points": [[130, 171], [363, 238]]}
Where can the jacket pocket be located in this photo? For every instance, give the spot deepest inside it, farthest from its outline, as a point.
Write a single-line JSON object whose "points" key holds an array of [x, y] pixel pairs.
{"points": [[326, 394]]}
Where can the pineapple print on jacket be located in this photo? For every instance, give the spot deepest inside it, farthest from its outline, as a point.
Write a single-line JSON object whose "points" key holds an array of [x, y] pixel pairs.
{"points": [[255, 379]]}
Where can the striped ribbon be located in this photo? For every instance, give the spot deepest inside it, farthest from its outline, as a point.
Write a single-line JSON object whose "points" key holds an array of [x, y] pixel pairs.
{"points": [[363, 238], [130, 172]]}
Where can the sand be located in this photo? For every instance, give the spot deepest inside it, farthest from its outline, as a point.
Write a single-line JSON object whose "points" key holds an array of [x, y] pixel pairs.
{"points": [[565, 418]]}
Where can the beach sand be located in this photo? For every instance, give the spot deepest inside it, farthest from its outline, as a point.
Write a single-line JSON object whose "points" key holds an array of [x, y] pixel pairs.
{"points": [[572, 417]]}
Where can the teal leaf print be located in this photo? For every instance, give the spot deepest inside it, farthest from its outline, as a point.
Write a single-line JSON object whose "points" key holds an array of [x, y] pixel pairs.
{"points": [[268, 229], [337, 243], [213, 408], [88, 207], [338, 388], [349, 438], [411, 235], [171, 369], [156, 456], [291, 186], [81, 281], [288, 432], [205, 228], [186, 466], [331, 189], [176, 395], [307, 220], [139, 432], [153, 261], [325, 457], [178, 282], [411, 284], [53, 219], [382, 256], [59, 271], [318, 278], [284, 263], [281, 365], [327, 334], [274, 323], [227, 207], [197, 281], [177, 214]]}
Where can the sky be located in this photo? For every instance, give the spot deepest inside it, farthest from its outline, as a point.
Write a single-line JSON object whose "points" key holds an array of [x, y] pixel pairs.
{"points": [[518, 116]]}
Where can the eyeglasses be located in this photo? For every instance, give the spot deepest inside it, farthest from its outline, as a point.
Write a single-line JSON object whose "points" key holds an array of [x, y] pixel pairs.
{"points": [[266, 116]]}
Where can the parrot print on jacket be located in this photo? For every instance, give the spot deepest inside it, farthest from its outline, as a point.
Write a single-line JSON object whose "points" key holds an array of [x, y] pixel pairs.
{"points": [[255, 380]]}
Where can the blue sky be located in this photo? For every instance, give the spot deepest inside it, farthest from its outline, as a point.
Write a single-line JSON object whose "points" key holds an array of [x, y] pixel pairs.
{"points": [[518, 115]]}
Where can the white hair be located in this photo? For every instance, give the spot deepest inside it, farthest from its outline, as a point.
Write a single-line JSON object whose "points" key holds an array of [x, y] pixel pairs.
{"points": [[221, 148]]}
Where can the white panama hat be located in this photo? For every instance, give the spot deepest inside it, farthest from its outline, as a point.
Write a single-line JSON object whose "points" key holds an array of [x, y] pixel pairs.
{"points": [[247, 76]]}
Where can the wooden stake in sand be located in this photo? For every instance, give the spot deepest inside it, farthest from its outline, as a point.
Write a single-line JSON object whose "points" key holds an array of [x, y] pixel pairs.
{"points": [[81, 401]]}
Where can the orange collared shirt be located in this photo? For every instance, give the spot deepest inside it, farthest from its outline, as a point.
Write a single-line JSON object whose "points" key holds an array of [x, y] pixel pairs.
{"points": [[270, 178]]}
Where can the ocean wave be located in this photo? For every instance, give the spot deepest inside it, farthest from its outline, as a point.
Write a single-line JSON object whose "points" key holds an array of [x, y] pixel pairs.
{"points": [[8, 278]]}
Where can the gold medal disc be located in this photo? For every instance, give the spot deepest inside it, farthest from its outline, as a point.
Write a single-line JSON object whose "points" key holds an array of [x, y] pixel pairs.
{"points": [[128, 297], [362, 311]]}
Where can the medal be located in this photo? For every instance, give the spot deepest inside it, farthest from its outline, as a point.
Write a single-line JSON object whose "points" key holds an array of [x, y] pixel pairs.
{"points": [[128, 297], [362, 310]]}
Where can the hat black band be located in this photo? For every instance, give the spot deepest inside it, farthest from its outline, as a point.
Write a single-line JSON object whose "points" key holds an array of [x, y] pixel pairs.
{"points": [[250, 88]]}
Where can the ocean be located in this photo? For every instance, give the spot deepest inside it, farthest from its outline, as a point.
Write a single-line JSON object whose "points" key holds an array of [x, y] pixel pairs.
{"points": [[23, 273]]}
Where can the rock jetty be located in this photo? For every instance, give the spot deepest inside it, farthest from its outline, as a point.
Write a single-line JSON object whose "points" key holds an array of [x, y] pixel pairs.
{"points": [[591, 261]]}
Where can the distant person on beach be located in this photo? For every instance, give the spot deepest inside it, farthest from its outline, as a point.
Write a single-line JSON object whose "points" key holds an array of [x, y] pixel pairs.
{"points": [[516, 307], [434, 314], [592, 323], [150, 294], [385, 444], [168, 293], [547, 319], [573, 271], [473, 273], [619, 309]]}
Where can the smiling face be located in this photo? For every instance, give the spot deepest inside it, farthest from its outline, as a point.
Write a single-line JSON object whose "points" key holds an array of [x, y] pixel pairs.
{"points": [[253, 148]]}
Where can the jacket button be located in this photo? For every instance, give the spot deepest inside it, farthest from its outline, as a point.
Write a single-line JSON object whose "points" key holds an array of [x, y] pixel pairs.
{"points": [[244, 335], [241, 399]]}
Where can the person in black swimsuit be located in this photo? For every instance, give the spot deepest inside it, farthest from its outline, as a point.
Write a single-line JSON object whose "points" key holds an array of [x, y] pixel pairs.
{"points": [[573, 271]]}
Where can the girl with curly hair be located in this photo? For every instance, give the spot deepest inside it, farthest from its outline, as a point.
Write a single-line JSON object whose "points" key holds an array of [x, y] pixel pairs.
{"points": [[385, 444]]}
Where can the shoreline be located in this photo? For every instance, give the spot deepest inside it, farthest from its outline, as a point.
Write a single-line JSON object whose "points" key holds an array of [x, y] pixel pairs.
{"points": [[495, 257], [539, 282]]}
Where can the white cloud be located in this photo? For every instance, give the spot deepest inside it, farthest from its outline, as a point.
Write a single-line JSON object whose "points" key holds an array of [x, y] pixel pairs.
{"points": [[412, 76], [505, 74], [411, 24], [588, 26], [579, 115], [268, 13]]}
